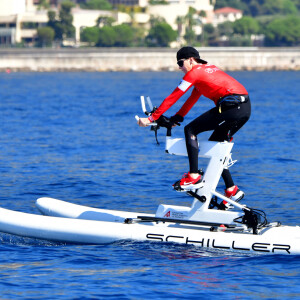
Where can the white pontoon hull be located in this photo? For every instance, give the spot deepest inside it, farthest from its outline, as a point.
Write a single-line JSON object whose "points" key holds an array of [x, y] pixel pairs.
{"points": [[275, 240]]}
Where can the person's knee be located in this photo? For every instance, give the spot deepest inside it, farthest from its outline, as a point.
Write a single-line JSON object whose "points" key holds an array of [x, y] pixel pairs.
{"points": [[188, 131], [189, 134]]}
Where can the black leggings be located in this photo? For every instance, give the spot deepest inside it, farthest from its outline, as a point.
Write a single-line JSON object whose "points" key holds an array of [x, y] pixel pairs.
{"points": [[224, 124]]}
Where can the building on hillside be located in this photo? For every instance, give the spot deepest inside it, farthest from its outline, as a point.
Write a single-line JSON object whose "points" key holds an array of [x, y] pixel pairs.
{"points": [[20, 19], [226, 14]]}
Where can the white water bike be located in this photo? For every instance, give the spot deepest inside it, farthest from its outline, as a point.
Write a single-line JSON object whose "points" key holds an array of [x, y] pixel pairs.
{"points": [[205, 224], [205, 209]]}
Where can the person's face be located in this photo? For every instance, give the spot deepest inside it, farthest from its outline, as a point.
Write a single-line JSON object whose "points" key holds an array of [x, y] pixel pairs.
{"points": [[185, 64]]}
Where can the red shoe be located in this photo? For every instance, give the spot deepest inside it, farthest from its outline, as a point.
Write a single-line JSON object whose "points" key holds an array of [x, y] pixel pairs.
{"points": [[187, 183], [236, 195]]}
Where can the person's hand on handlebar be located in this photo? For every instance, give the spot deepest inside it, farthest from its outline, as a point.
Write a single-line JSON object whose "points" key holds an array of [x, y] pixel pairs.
{"points": [[143, 122], [176, 120]]}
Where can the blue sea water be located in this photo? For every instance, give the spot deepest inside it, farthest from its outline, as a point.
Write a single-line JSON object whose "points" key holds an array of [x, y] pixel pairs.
{"points": [[73, 136]]}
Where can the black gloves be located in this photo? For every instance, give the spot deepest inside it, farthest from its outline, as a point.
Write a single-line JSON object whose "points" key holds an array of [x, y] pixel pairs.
{"points": [[176, 119]]}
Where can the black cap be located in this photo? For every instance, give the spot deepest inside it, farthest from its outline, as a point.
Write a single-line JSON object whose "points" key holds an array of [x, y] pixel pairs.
{"points": [[187, 52]]}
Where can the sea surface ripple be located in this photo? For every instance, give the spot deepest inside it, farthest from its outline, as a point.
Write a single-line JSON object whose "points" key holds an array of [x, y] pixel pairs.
{"points": [[73, 136]]}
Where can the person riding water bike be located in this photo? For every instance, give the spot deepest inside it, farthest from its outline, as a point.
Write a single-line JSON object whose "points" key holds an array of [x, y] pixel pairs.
{"points": [[232, 110]]}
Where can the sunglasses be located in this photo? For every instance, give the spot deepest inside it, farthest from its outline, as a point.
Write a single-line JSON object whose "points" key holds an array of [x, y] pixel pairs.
{"points": [[181, 62]]}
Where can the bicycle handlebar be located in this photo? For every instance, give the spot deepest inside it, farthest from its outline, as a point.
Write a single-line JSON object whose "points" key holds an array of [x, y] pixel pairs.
{"points": [[163, 121]]}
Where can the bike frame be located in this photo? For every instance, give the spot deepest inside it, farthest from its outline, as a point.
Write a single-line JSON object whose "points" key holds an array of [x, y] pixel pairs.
{"points": [[219, 156]]}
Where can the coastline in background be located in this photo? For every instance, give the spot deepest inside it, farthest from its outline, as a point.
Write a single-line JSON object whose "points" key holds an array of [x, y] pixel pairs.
{"points": [[144, 59]]}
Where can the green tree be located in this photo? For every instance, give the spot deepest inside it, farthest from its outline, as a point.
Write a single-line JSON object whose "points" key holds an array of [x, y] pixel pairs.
{"points": [[271, 7], [297, 3], [190, 17], [138, 36], [120, 36], [246, 26], [66, 19], [124, 35], [209, 29], [180, 20], [156, 20], [161, 35], [190, 35], [107, 37], [45, 36], [55, 25], [96, 4], [289, 7], [225, 28], [62, 25], [202, 15], [51, 18], [103, 21], [208, 35], [90, 35], [283, 32], [43, 4], [253, 8]]}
